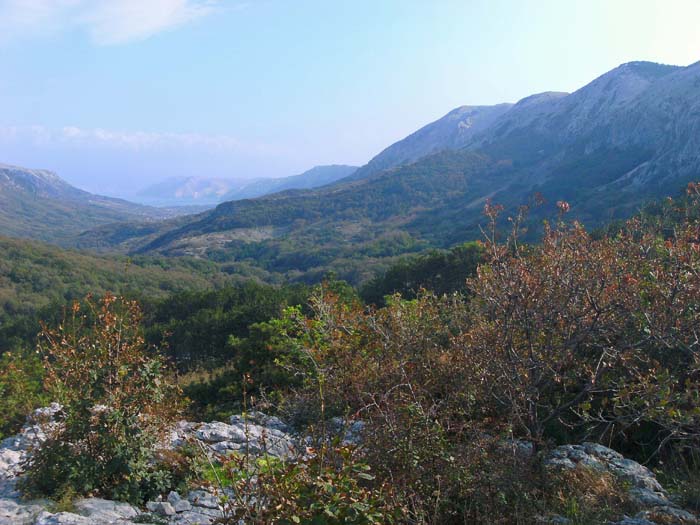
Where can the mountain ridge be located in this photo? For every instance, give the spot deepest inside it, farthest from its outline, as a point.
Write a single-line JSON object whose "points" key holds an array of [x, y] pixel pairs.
{"points": [[38, 204], [630, 135]]}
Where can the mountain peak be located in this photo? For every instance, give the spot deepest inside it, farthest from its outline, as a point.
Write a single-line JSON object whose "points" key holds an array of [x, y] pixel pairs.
{"points": [[37, 181], [539, 98], [452, 131]]}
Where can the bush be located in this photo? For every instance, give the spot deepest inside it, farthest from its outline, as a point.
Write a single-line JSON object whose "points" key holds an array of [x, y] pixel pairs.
{"points": [[329, 488], [575, 338], [21, 376], [116, 402]]}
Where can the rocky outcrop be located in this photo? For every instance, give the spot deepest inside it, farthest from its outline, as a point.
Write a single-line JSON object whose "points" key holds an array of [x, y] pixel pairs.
{"points": [[255, 434], [644, 489], [258, 433]]}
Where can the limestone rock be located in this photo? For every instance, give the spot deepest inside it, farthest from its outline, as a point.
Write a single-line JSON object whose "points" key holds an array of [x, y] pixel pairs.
{"points": [[163, 508], [102, 509], [202, 498], [243, 434], [179, 504], [645, 491]]}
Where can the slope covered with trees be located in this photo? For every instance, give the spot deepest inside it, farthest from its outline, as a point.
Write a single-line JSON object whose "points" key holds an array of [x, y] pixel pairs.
{"points": [[37, 279], [604, 148]]}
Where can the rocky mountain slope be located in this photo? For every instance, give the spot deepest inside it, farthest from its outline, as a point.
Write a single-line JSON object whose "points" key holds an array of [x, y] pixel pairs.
{"points": [[625, 138], [451, 132], [39, 204]]}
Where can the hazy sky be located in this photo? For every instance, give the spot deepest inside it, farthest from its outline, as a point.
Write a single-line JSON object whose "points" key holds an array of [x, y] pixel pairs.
{"points": [[115, 94]]}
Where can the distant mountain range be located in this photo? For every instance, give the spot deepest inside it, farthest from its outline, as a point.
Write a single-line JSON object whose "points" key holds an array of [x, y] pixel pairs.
{"points": [[211, 191], [38, 204], [630, 135]]}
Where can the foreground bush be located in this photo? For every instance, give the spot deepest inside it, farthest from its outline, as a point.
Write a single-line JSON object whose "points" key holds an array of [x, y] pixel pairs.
{"points": [[329, 487], [116, 404], [575, 338]]}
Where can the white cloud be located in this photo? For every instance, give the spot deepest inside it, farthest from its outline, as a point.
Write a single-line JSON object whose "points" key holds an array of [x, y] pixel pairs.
{"points": [[137, 141], [107, 22]]}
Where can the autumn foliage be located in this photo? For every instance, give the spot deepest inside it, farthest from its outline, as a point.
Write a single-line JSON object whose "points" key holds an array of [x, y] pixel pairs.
{"points": [[573, 338], [116, 405]]}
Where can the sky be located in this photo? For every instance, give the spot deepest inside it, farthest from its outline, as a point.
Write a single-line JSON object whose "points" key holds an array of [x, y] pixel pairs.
{"points": [[115, 95]]}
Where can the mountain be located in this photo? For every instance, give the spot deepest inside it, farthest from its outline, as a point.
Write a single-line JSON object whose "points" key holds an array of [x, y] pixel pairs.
{"points": [[314, 178], [452, 131], [211, 191], [629, 136], [39, 204]]}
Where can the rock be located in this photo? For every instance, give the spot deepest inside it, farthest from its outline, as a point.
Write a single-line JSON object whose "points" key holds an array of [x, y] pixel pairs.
{"points": [[244, 435], [216, 432], [13, 512], [45, 414], [10, 462], [162, 508], [261, 419], [202, 498], [648, 498], [179, 504], [102, 509], [599, 457], [350, 430], [645, 491], [65, 518], [668, 515], [634, 521], [193, 518]]}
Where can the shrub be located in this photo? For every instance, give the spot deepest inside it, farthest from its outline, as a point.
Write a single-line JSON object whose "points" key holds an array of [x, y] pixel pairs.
{"points": [[578, 336], [573, 338], [116, 404], [21, 376], [329, 488]]}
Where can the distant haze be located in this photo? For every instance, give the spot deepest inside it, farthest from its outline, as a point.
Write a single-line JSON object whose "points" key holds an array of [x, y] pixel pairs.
{"points": [[118, 96]]}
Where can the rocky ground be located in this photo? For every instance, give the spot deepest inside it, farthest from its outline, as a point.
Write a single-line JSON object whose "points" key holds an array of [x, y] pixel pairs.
{"points": [[199, 507], [259, 432], [644, 489]]}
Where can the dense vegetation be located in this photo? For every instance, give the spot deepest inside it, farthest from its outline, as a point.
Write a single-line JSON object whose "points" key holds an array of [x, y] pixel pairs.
{"points": [[37, 280], [577, 337], [442, 272], [571, 339]]}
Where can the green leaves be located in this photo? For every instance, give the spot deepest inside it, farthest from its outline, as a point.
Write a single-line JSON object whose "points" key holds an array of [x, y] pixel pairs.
{"points": [[327, 488], [116, 403]]}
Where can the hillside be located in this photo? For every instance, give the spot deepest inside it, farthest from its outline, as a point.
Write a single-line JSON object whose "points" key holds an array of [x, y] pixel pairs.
{"points": [[627, 137], [39, 204], [349, 228], [34, 276], [451, 132]]}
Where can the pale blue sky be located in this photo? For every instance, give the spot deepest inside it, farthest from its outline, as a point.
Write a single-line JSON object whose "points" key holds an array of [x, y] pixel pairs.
{"points": [[116, 94]]}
